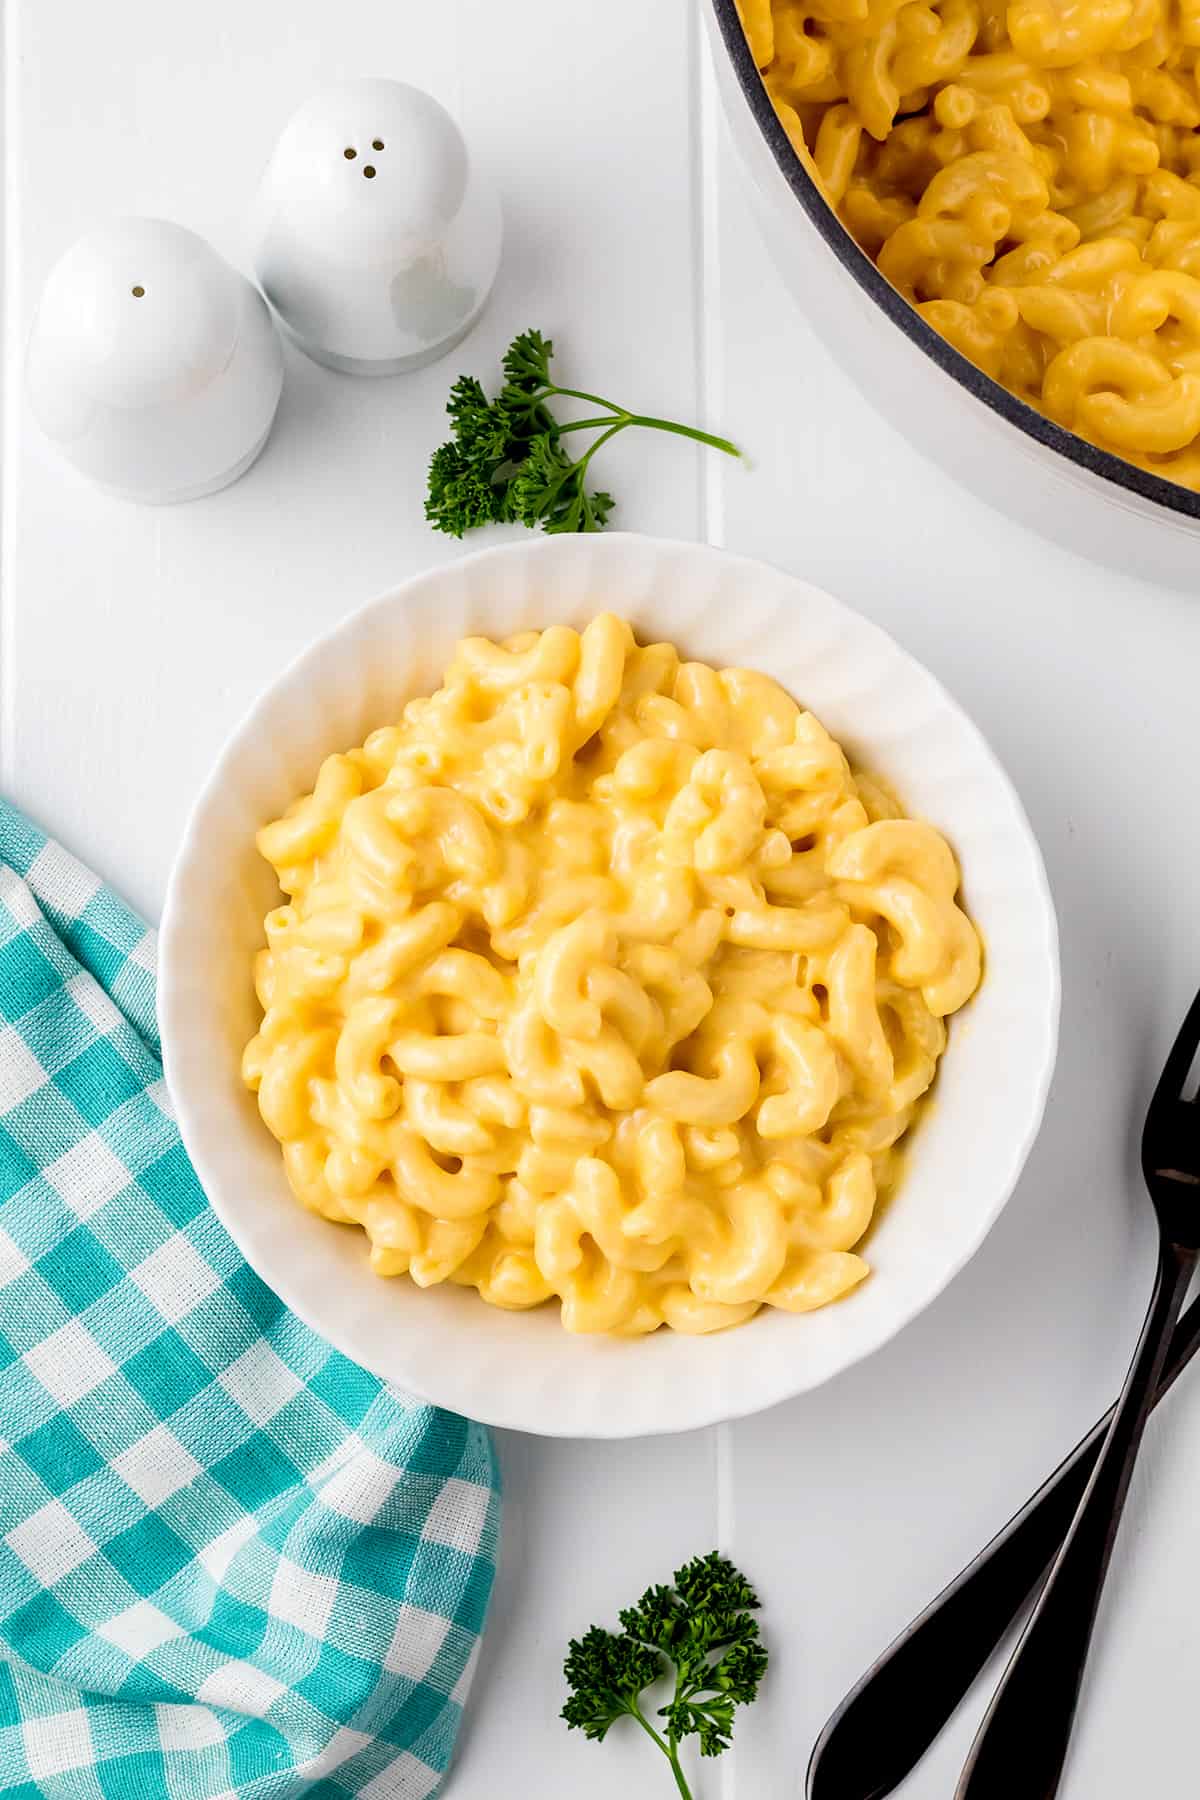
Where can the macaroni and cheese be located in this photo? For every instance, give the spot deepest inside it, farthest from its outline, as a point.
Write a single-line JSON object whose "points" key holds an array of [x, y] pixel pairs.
{"points": [[601, 977], [1027, 176]]}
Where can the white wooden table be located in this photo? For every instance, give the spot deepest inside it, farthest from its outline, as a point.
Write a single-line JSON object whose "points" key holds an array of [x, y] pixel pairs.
{"points": [[132, 639]]}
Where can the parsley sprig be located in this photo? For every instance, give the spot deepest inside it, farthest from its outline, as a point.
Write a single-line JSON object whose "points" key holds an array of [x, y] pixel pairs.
{"points": [[703, 1625], [507, 461]]}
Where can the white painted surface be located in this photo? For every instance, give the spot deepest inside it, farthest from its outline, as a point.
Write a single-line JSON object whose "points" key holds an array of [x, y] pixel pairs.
{"points": [[133, 639]]}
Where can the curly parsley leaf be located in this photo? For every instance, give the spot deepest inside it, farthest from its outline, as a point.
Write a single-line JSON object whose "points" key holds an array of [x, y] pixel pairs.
{"points": [[607, 1673]]}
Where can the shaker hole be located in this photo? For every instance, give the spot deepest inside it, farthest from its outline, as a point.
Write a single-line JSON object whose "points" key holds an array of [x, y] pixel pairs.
{"points": [[349, 154], [138, 291], [369, 171], [377, 143]]}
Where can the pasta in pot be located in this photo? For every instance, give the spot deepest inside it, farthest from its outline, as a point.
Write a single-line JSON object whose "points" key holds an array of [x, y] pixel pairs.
{"points": [[1026, 176], [601, 977]]}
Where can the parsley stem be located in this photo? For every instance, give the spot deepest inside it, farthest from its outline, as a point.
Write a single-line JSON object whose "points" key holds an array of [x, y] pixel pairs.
{"points": [[672, 1740], [623, 418], [591, 450], [579, 394], [677, 1771], [667, 1746], [687, 431], [636, 1712], [581, 466]]}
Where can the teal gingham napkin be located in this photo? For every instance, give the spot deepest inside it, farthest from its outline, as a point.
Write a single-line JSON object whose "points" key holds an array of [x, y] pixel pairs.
{"points": [[233, 1565]]}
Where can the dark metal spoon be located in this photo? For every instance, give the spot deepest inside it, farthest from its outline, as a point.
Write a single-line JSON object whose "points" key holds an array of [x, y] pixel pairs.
{"points": [[892, 1715]]}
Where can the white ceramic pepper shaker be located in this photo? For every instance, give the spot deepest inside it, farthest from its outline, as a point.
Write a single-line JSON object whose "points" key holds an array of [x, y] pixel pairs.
{"points": [[154, 367], [378, 236]]}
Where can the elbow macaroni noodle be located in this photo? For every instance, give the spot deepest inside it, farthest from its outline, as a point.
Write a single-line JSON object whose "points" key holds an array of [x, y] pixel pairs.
{"points": [[601, 976], [1028, 176]]}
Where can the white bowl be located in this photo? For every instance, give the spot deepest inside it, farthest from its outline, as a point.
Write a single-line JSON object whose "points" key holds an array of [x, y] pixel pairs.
{"points": [[523, 1369]]}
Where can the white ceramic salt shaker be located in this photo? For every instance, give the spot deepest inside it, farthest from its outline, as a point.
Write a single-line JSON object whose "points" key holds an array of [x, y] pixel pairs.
{"points": [[378, 236], [154, 367]]}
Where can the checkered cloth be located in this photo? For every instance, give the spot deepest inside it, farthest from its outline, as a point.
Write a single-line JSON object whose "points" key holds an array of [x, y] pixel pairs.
{"points": [[233, 1565]]}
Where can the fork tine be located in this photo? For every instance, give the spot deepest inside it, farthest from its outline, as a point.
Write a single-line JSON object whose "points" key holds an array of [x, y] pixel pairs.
{"points": [[1178, 1064]]}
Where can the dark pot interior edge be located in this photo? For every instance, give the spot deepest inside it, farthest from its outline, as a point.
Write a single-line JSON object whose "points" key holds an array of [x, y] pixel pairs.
{"points": [[1167, 494]]}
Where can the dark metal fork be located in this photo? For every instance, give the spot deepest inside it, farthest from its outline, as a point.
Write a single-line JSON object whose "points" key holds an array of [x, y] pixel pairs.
{"points": [[888, 1721]]}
